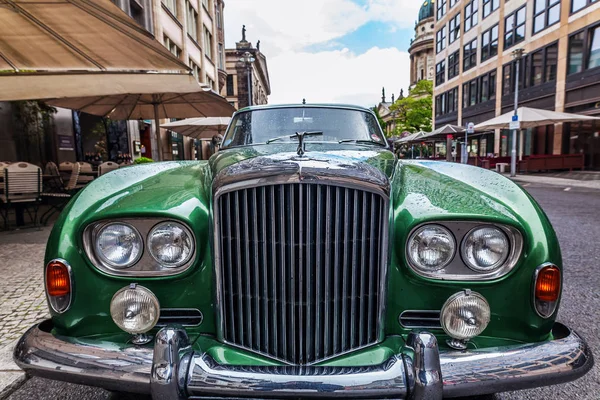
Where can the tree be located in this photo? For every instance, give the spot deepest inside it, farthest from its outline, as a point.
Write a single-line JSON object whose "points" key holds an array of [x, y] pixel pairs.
{"points": [[413, 113], [376, 111], [33, 123]]}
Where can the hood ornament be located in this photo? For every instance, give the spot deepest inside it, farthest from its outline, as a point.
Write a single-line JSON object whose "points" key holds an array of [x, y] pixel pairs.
{"points": [[300, 135]]}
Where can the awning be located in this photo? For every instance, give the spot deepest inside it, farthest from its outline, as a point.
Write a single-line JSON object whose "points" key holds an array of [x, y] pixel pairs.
{"points": [[199, 128], [532, 117]]}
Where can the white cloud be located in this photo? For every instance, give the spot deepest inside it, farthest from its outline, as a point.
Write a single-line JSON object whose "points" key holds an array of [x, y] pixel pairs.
{"points": [[287, 27], [338, 76]]}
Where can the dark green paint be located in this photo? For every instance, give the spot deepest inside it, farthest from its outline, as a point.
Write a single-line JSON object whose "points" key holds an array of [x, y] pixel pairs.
{"points": [[421, 191]]}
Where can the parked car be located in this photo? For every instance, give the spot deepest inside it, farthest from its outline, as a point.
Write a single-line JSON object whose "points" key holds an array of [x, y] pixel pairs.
{"points": [[304, 260]]}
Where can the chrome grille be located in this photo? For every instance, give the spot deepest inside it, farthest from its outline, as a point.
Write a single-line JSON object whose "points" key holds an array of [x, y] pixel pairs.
{"points": [[300, 269]]}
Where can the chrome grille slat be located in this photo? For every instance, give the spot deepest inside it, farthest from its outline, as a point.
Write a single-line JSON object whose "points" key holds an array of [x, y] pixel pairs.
{"points": [[300, 269]]}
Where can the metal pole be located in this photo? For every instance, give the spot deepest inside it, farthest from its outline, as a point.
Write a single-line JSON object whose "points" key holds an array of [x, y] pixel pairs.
{"points": [[158, 139], [513, 153], [465, 151], [249, 85]]}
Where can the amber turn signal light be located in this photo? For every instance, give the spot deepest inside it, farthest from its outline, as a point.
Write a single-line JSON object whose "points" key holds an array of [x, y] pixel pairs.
{"points": [[547, 285], [58, 280]]}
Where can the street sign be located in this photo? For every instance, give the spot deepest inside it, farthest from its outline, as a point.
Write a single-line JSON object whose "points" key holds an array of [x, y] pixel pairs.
{"points": [[515, 117], [514, 124], [470, 128]]}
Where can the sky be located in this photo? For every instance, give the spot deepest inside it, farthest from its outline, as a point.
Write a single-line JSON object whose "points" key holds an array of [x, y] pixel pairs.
{"points": [[332, 51]]}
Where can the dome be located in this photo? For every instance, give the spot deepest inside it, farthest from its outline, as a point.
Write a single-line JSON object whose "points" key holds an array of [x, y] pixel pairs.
{"points": [[426, 10]]}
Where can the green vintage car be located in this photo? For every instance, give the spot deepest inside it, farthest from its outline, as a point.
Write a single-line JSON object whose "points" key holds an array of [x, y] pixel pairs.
{"points": [[304, 260]]}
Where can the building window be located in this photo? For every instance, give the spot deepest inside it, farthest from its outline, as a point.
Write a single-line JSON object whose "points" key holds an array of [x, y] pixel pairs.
{"points": [[207, 43], [210, 82], [545, 13], [584, 50], [441, 9], [440, 73], [171, 6], [489, 6], [537, 68], [221, 57], [454, 28], [169, 44], [479, 90], [440, 39], [195, 69], [453, 64], [471, 10], [470, 55], [136, 11], [230, 91], [446, 102], [176, 146], [551, 62], [205, 4], [514, 28], [489, 43], [577, 5], [191, 17], [219, 18]]}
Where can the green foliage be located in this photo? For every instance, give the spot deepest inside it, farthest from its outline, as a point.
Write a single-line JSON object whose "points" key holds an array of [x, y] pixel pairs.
{"points": [[33, 123], [143, 160], [376, 111], [413, 113]]}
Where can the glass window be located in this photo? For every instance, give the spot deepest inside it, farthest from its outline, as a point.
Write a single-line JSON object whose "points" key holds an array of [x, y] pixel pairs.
{"points": [[576, 45], [473, 92], [440, 9], [453, 63], [454, 28], [453, 3], [485, 88], [594, 52], [545, 13], [440, 73], [506, 79], [577, 5], [537, 68], [230, 91], [492, 89], [195, 69], [221, 65], [489, 43], [205, 4], [551, 62], [465, 95], [169, 44], [440, 39], [191, 17], [470, 55], [471, 10], [207, 43], [489, 6], [514, 28], [171, 6]]}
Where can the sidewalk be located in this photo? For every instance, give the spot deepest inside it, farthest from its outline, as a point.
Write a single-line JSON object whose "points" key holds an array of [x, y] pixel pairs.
{"points": [[576, 179], [22, 299]]}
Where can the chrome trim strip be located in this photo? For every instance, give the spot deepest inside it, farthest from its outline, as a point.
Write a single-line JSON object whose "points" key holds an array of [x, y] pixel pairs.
{"points": [[71, 285], [533, 284], [464, 373], [146, 266]]}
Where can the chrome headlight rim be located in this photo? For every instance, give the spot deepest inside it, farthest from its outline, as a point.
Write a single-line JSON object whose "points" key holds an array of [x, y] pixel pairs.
{"points": [[146, 267], [414, 263], [103, 259], [188, 231], [498, 264]]}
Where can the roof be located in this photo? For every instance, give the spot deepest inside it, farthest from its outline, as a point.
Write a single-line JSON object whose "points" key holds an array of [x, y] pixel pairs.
{"points": [[426, 10], [320, 105]]}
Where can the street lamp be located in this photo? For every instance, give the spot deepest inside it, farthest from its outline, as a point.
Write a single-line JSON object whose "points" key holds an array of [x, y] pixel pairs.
{"points": [[248, 60], [517, 55]]}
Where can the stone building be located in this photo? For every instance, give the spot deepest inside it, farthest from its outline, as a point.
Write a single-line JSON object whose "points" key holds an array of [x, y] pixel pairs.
{"points": [[421, 46], [236, 90], [559, 71]]}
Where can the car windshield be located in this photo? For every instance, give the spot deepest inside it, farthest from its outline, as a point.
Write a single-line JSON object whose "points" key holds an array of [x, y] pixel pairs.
{"points": [[276, 125]]}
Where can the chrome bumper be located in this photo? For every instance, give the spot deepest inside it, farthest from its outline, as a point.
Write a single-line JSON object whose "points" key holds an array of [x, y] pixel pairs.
{"points": [[172, 370]]}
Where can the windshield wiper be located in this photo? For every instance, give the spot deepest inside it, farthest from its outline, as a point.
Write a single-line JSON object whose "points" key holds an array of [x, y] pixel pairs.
{"points": [[360, 141], [294, 136]]}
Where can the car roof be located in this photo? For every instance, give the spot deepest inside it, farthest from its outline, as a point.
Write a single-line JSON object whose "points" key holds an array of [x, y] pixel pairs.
{"points": [[311, 105]]}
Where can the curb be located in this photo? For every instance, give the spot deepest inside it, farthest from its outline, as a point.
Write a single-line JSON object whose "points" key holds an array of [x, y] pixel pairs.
{"points": [[13, 386]]}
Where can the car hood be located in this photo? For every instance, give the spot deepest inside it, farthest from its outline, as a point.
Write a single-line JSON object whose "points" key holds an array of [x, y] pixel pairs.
{"points": [[365, 163]]}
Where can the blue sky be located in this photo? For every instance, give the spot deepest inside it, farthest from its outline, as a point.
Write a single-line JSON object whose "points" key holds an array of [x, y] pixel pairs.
{"points": [[328, 50]]}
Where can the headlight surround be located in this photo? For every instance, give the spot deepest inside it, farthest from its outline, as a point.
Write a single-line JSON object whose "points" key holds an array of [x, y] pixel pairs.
{"points": [[465, 315], [119, 245], [135, 309], [171, 244], [431, 247], [485, 248]]}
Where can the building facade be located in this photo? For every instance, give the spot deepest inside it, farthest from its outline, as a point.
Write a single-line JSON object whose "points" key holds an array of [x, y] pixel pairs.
{"points": [[239, 89], [421, 46], [475, 70]]}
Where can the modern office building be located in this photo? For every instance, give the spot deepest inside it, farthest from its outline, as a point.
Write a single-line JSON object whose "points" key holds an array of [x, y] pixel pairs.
{"points": [[475, 68]]}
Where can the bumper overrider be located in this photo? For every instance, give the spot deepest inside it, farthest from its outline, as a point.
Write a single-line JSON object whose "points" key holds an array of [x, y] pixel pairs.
{"points": [[172, 370]]}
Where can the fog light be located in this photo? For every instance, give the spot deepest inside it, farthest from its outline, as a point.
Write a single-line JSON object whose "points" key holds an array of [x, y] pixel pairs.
{"points": [[464, 315], [135, 309]]}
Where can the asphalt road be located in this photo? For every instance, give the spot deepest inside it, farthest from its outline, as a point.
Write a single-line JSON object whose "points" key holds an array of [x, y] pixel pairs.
{"points": [[575, 215]]}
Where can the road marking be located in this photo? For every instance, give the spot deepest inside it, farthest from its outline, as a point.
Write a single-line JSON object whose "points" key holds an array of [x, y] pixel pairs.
{"points": [[527, 184], [567, 189]]}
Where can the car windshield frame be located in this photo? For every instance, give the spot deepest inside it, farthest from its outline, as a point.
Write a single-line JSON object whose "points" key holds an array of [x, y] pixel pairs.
{"points": [[280, 137]]}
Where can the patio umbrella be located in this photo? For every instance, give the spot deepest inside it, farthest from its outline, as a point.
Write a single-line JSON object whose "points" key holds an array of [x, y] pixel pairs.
{"points": [[532, 117], [413, 137], [199, 128], [442, 131]]}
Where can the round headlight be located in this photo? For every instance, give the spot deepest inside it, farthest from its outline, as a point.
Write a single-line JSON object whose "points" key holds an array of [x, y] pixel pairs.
{"points": [[119, 245], [465, 315], [135, 309], [171, 244], [485, 248], [431, 248]]}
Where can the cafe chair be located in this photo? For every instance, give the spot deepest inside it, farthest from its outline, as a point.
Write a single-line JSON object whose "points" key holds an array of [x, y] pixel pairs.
{"points": [[106, 167], [22, 187]]}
